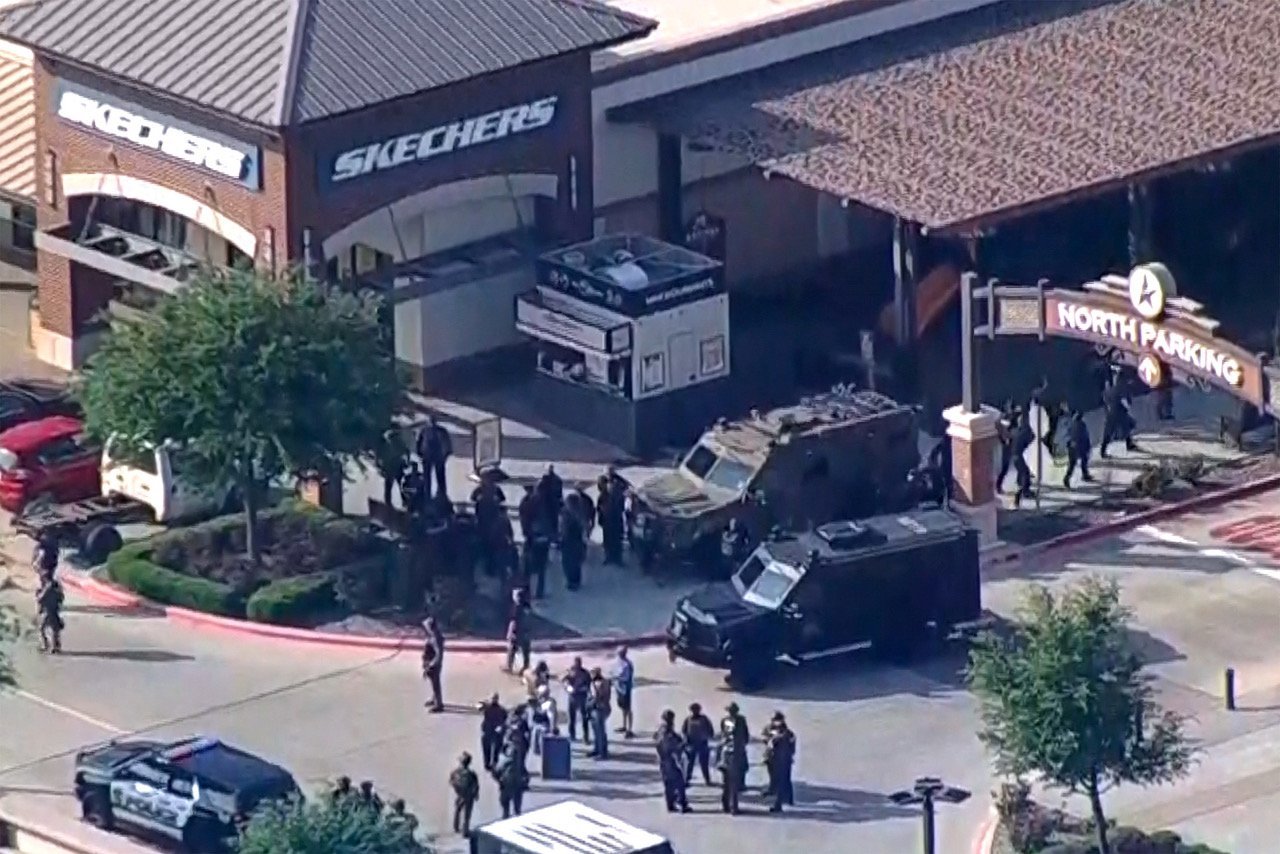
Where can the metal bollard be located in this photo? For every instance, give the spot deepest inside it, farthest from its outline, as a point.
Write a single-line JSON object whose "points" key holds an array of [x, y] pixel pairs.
{"points": [[1229, 688]]}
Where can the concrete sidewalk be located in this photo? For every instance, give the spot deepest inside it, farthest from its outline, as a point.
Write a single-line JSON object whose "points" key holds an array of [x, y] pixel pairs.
{"points": [[1193, 432]]}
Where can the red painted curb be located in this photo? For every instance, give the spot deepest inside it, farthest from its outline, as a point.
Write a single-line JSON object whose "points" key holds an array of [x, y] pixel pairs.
{"points": [[1133, 520], [986, 836], [112, 595]]}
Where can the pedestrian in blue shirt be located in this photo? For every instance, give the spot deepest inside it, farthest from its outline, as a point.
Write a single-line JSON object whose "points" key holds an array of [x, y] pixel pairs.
{"points": [[624, 678]]}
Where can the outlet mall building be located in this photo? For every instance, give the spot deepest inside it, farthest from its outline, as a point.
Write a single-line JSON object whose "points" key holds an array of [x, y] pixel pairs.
{"points": [[433, 150]]}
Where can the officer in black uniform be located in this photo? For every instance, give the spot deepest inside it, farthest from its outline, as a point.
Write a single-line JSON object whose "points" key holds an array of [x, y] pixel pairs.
{"points": [[612, 510], [493, 724], [528, 512], [573, 547], [698, 731], [550, 491], [1023, 438], [537, 554], [434, 447], [732, 761], [671, 757], [1005, 425], [49, 599], [1079, 445], [779, 758], [466, 791], [1118, 423], [735, 546], [488, 500]]}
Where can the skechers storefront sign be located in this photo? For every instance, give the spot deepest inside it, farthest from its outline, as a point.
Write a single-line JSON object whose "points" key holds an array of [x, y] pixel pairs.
{"points": [[205, 150], [438, 141]]}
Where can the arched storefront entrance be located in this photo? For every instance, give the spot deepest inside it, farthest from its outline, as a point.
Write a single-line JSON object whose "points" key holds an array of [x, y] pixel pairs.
{"points": [[450, 261]]}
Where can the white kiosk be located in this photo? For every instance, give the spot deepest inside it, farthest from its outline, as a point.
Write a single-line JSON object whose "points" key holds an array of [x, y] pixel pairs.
{"points": [[632, 339]]}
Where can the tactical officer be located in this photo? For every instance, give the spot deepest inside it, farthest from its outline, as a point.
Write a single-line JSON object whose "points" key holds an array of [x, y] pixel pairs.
{"points": [[1118, 421], [779, 757], [46, 556], [1023, 438], [585, 508], [433, 663], [466, 791], [493, 723], [732, 761], [513, 780], [400, 813], [529, 512], [516, 735], [735, 546], [1079, 444], [698, 731], [577, 685], [487, 498], [537, 552], [341, 790], [518, 633], [573, 547], [611, 508], [434, 448], [671, 757], [49, 599], [413, 493], [392, 454], [368, 798], [550, 491], [1005, 426]]}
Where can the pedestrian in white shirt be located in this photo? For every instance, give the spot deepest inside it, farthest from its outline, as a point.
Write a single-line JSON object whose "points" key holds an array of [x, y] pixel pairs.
{"points": [[543, 717]]}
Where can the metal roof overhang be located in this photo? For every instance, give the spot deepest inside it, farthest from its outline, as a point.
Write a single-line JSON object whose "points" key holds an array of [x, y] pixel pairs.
{"points": [[124, 256], [990, 115]]}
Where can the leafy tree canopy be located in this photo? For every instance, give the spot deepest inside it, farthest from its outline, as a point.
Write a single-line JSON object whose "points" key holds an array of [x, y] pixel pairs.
{"points": [[1065, 697], [330, 826], [257, 378]]}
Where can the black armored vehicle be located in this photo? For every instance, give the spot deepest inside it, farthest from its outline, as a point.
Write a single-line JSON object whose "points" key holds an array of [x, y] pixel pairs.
{"points": [[894, 583], [834, 456]]}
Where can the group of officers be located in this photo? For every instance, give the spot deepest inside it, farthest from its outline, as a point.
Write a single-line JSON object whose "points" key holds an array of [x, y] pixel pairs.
{"points": [[550, 515], [1017, 434], [508, 736]]}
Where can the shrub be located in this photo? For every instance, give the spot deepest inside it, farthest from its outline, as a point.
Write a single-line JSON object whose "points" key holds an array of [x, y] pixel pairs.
{"points": [[292, 601], [362, 585], [1130, 840], [1198, 848], [1153, 480], [1069, 848], [1165, 842], [1028, 826], [1191, 470], [132, 568]]}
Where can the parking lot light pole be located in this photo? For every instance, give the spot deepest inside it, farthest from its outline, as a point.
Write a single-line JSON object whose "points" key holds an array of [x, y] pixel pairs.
{"points": [[926, 792]]}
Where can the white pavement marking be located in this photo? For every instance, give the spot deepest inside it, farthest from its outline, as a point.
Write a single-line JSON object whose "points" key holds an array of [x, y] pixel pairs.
{"points": [[1220, 554], [1165, 536], [69, 712]]}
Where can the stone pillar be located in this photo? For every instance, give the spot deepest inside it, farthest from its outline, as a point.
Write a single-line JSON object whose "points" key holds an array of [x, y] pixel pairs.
{"points": [[974, 445], [1140, 248], [671, 188]]}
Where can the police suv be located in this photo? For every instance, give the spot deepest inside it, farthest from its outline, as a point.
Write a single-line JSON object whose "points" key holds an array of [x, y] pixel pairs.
{"points": [[891, 582], [195, 792]]}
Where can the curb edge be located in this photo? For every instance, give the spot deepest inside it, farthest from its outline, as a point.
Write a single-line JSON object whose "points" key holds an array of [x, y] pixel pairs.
{"points": [[110, 594], [986, 837]]}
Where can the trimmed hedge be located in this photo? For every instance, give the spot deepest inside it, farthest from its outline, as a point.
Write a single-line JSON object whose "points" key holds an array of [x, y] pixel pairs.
{"points": [[132, 568], [291, 601]]}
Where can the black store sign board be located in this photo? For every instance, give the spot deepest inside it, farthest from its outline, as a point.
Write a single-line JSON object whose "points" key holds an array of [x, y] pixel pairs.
{"points": [[630, 301]]}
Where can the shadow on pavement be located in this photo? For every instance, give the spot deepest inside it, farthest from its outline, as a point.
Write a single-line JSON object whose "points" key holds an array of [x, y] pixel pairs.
{"points": [[861, 676], [136, 612], [150, 656], [843, 806]]}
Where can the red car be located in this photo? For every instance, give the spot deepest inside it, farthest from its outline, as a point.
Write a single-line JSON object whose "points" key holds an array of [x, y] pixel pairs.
{"points": [[47, 460]]}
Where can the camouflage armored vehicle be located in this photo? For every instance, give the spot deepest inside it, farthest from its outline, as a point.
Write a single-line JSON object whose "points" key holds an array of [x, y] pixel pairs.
{"points": [[830, 457]]}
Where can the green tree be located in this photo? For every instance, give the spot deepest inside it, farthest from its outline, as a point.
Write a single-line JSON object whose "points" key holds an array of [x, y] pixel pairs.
{"points": [[1064, 696], [257, 377], [329, 826]]}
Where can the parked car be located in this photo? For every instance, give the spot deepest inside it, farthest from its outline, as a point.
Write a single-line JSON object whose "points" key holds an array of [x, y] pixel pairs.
{"points": [[28, 400], [47, 461], [155, 477], [192, 793]]}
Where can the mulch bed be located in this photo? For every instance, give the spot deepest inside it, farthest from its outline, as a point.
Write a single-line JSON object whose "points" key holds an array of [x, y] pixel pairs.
{"points": [[1027, 529]]}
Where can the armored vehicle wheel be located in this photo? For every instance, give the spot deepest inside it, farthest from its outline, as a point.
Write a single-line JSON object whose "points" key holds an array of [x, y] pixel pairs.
{"points": [[750, 675], [99, 542]]}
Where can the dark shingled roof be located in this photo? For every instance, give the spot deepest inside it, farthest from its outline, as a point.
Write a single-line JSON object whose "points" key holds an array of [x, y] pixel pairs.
{"points": [[284, 62], [993, 113]]}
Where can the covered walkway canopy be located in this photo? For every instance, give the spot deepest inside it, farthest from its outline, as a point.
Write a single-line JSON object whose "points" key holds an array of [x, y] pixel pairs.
{"points": [[983, 117]]}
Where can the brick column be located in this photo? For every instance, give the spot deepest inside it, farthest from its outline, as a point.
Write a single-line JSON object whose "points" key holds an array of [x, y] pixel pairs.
{"points": [[974, 445]]}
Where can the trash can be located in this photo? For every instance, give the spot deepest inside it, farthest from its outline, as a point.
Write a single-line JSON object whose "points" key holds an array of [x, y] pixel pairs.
{"points": [[557, 757]]}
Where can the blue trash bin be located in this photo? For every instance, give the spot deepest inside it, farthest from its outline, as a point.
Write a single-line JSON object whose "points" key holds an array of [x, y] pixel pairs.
{"points": [[557, 757]]}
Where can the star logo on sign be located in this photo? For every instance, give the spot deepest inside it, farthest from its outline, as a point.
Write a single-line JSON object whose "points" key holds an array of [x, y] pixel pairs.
{"points": [[1146, 293]]}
